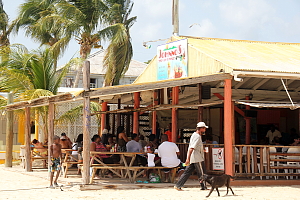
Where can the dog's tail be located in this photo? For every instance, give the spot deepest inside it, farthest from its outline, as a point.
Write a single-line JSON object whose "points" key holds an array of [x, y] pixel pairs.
{"points": [[232, 177]]}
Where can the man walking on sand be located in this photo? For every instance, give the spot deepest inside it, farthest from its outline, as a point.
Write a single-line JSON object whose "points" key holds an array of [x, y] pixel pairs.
{"points": [[55, 165], [195, 158]]}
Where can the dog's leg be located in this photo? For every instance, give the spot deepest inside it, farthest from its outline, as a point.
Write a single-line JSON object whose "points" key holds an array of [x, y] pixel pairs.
{"points": [[231, 190], [218, 191], [227, 189], [212, 189]]}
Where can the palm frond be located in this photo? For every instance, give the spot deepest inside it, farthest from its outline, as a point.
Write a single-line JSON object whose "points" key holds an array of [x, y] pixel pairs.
{"points": [[73, 114]]}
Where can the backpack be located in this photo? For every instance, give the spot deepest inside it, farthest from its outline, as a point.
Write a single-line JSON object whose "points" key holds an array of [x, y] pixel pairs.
{"points": [[154, 178]]}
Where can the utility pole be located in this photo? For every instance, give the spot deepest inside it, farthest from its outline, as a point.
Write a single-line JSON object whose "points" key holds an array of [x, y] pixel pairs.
{"points": [[175, 17]]}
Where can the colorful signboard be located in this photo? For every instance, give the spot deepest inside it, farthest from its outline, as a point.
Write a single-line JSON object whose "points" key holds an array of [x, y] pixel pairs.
{"points": [[218, 158], [172, 60]]}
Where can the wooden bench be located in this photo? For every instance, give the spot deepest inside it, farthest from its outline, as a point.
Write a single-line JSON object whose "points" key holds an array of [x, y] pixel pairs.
{"points": [[135, 170]]}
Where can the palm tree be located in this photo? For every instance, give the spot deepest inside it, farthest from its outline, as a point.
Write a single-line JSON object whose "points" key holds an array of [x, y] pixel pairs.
{"points": [[5, 30], [42, 22], [119, 52], [30, 75]]}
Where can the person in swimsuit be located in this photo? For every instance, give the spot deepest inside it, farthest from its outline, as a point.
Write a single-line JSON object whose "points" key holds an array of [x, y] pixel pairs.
{"points": [[55, 163], [39, 147]]}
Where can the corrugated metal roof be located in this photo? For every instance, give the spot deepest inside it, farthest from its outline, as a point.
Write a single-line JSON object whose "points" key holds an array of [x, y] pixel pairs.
{"points": [[207, 56], [251, 55]]}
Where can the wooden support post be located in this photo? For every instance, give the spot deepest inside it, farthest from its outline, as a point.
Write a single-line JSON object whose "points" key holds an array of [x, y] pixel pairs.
{"points": [[228, 128], [50, 130], [155, 101], [103, 116], [36, 125], [9, 133], [86, 124], [119, 115], [175, 100], [28, 167], [200, 108], [248, 125], [136, 114]]}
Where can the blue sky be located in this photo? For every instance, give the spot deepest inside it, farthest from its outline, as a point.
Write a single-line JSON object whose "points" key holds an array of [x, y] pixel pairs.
{"points": [[261, 20]]}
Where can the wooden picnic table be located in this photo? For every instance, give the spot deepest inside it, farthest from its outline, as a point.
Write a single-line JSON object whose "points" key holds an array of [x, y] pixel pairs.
{"points": [[123, 155], [128, 166], [68, 160]]}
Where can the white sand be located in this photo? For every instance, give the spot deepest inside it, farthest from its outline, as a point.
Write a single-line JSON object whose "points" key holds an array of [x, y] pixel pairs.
{"points": [[21, 185]]}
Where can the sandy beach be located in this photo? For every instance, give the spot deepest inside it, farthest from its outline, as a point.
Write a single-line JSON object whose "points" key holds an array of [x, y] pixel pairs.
{"points": [[17, 184]]}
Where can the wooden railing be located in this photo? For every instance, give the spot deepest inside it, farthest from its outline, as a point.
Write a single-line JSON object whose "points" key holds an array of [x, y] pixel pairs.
{"points": [[256, 160], [266, 160]]}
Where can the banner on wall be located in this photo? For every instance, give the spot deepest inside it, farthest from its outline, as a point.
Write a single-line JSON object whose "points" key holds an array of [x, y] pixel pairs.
{"points": [[172, 59]]}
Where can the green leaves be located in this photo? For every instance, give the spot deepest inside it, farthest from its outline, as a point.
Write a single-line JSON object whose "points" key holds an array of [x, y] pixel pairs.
{"points": [[24, 72]]}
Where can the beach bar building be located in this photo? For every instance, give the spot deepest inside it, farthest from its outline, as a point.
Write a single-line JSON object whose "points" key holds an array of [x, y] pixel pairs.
{"points": [[237, 87]]}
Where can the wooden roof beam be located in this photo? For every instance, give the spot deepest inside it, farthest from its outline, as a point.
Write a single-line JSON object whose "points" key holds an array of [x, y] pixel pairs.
{"points": [[237, 86], [258, 85], [288, 82]]}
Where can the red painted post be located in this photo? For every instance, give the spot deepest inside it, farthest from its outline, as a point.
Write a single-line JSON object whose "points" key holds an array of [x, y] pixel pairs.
{"points": [[248, 125], [136, 97], [175, 100], [103, 116], [228, 128]]}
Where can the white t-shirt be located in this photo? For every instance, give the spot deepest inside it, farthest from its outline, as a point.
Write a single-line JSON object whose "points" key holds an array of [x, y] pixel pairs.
{"points": [[198, 153], [167, 153], [271, 135], [151, 157]]}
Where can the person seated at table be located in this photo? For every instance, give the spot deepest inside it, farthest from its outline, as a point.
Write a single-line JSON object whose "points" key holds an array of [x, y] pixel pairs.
{"points": [[97, 145], [296, 142], [273, 132], [105, 133], [142, 141], [65, 142], [110, 140], [169, 152], [277, 142], [150, 161], [122, 139], [39, 147], [77, 146], [152, 141], [134, 146], [209, 140]]}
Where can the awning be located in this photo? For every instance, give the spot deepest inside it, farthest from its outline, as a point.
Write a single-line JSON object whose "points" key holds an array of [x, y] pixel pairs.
{"points": [[263, 104]]}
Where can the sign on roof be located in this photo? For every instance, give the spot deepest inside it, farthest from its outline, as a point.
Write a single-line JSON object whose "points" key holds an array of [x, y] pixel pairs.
{"points": [[172, 60]]}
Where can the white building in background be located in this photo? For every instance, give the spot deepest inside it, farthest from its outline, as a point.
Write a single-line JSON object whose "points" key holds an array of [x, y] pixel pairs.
{"points": [[98, 71]]}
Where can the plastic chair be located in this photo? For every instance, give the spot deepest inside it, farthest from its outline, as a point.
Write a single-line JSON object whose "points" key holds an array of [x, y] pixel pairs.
{"points": [[292, 164], [265, 163]]}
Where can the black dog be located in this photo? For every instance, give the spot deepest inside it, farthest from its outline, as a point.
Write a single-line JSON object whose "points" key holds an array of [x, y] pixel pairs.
{"points": [[217, 181]]}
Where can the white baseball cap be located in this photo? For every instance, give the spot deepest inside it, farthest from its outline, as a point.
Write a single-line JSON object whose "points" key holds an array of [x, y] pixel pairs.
{"points": [[201, 124]]}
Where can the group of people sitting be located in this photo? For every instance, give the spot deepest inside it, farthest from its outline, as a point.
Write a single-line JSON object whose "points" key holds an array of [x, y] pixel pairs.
{"points": [[167, 151], [65, 142]]}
